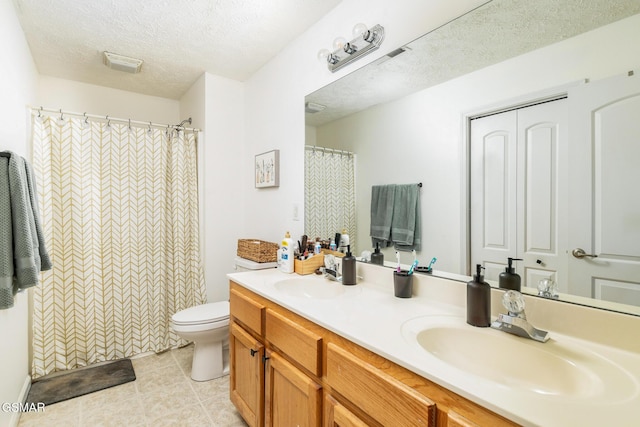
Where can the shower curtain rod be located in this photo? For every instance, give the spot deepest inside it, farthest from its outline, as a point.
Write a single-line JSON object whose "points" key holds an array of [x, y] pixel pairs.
{"points": [[328, 150], [52, 111]]}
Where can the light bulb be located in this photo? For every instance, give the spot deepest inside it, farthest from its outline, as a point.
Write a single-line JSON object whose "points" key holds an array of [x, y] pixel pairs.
{"points": [[358, 30], [323, 54], [338, 43]]}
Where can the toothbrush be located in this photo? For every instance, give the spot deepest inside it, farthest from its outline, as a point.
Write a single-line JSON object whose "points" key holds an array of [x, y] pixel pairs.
{"points": [[433, 261], [413, 266], [398, 269]]}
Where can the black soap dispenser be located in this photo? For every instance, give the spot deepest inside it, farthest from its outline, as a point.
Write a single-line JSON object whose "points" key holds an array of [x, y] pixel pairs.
{"points": [[478, 300], [509, 279], [377, 257], [349, 268]]}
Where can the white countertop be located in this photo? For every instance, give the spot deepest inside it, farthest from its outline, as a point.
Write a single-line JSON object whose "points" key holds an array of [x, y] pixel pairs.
{"points": [[369, 315]]}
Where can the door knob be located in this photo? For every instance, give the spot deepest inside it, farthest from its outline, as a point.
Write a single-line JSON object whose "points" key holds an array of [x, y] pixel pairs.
{"points": [[580, 253]]}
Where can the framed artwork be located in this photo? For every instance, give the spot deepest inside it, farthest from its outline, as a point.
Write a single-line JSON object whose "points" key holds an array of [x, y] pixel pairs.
{"points": [[268, 169]]}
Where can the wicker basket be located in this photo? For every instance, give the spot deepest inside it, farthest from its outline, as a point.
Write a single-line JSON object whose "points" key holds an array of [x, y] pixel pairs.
{"points": [[257, 250]]}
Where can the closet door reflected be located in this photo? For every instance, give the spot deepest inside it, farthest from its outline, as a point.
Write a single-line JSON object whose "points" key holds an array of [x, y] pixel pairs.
{"points": [[517, 192]]}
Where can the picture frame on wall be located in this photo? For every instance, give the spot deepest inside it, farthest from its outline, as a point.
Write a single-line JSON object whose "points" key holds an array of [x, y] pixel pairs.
{"points": [[267, 169]]}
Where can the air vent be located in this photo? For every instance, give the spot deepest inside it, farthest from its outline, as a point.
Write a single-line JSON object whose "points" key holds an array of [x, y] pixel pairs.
{"points": [[312, 107], [121, 62]]}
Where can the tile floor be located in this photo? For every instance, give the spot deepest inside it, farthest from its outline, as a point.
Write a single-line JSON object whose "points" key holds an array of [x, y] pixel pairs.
{"points": [[163, 394]]}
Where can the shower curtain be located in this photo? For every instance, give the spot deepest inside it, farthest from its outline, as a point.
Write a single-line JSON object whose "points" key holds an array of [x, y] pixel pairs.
{"points": [[120, 213], [330, 193]]}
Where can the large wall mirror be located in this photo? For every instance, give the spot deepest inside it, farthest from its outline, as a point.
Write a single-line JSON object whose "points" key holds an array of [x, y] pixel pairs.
{"points": [[409, 116]]}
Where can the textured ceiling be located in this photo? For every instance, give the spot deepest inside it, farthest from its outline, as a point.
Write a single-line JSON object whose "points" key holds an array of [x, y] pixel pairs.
{"points": [[492, 33], [178, 40]]}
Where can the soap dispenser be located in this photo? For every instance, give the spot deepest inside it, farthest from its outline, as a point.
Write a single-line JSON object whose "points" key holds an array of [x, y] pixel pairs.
{"points": [[377, 257], [349, 268], [478, 300], [509, 279]]}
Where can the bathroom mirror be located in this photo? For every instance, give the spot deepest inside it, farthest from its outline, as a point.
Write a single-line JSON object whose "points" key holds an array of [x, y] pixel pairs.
{"points": [[464, 67]]}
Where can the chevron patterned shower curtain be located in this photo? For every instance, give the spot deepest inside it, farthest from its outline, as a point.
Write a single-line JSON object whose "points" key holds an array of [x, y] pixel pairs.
{"points": [[330, 194], [120, 213]]}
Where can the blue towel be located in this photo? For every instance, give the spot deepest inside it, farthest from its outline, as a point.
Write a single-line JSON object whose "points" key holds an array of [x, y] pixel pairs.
{"points": [[22, 250]]}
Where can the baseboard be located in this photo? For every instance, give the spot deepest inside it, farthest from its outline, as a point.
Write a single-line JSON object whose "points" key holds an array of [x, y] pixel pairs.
{"points": [[24, 392]]}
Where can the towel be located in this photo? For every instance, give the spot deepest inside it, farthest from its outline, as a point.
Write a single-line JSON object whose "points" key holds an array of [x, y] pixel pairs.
{"points": [[405, 224], [6, 238], [382, 197], [24, 245]]}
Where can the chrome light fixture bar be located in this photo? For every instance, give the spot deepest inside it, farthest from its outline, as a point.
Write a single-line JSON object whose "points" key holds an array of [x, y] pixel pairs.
{"points": [[365, 41]]}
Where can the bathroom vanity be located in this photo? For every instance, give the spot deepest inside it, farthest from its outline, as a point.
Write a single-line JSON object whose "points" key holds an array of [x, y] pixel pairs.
{"points": [[307, 351]]}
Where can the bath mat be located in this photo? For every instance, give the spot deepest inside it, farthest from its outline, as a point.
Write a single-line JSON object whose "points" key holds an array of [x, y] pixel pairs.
{"points": [[78, 382]]}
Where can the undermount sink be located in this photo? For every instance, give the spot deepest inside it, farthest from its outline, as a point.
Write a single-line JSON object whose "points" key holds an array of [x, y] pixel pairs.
{"points": [[312, 288], [556, 368]]}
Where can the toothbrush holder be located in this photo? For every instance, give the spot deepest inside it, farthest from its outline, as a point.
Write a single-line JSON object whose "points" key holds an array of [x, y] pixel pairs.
{"points": [[402, 284]]}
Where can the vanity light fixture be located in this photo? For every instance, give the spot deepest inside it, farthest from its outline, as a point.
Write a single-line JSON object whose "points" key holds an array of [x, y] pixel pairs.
{"points": [[365, 41], [121, 62]]}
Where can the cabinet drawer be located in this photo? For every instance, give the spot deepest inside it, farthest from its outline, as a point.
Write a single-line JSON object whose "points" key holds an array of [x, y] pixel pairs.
{"points": [[247, 311], [387, 400], [298, 343]]}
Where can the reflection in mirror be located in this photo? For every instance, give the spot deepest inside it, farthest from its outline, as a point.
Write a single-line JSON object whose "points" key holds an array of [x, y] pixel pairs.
{"points": [[407, 119]]}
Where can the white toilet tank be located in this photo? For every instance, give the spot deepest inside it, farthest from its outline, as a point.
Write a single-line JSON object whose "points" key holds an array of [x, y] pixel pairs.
{"points": [[243, 264]]}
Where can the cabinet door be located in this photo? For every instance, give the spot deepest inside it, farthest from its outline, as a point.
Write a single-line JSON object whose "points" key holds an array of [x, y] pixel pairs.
{"points": [[336, 415], [246, 383], [293, 399]]}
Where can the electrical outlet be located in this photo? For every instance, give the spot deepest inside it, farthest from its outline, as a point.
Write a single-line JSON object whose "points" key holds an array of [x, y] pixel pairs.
{"points": [[295, 212]]}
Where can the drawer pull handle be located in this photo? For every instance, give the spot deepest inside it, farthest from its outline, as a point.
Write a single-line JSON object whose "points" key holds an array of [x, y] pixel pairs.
{"points": [[253, 352]]}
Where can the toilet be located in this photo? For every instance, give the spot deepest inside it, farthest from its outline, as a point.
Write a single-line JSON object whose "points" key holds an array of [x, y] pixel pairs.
{"points": [[207, 325]]}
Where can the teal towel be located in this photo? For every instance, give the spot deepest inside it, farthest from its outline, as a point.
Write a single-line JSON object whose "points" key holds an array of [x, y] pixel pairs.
{"points": [[24, 245], [382, 197], [405, 225]]}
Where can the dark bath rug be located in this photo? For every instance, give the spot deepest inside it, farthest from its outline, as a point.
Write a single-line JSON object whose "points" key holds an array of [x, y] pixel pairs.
{"points": [[78, 382]]}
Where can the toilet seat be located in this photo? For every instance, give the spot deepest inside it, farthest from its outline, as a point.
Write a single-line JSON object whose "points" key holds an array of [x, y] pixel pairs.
{"points": [[215, 312]]}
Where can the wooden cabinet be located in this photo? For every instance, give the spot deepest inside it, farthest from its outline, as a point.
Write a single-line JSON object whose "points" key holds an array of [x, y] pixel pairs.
{"points": [[292, 398], [384, 398], [247, 375], [311, 376], [336, 415]]}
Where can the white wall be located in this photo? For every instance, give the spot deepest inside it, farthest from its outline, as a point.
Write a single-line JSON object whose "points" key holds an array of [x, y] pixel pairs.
{"points": [[216, 105], [18, 85], [426, 128], [275, 99], [78, 97]]}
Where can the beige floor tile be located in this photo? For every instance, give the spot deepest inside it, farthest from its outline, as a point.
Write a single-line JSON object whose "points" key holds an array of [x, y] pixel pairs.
{"points": [[162, 401], [187, 416], [162, 395], [153, 362], [223, 413], [208, 389], [114, 414], [65, 413]]}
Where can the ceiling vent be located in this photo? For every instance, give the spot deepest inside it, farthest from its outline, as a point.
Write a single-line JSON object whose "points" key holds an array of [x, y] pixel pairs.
{"points": [[312, 107], [121, 62]]}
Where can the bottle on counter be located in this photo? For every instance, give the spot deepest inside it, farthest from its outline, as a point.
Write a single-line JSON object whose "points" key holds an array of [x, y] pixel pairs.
{"points": [[478, 300], [286, 254], [349, 268]]}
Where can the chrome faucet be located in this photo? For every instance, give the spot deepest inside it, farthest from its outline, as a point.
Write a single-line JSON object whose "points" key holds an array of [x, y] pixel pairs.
{"points": [[331, 268], [515, 321]]}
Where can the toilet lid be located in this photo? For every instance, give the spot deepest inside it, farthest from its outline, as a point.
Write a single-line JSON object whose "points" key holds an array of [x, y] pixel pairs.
{"points": [[203, 313]]}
